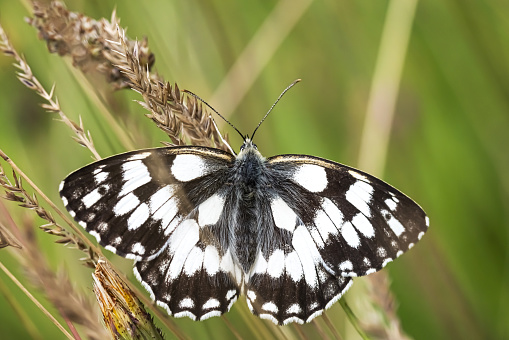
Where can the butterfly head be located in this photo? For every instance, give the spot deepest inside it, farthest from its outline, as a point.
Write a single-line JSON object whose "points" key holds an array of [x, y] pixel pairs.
{"points": [[249, 148]]}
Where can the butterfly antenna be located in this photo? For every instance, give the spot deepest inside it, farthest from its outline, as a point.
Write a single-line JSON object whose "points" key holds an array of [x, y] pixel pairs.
{"points": [[220, 136], [210, 107], [277, 100]]}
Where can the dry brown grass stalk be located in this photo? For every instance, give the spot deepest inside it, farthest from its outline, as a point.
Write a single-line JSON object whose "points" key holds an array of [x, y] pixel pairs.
{"points": [[102, 46], [14, 191], [123, 313], [27, 78], [58, 289], [380, 319], [84, 39]]}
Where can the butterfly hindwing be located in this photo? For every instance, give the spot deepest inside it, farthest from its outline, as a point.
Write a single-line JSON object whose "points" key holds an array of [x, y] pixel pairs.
{"points": [[191, 278]]}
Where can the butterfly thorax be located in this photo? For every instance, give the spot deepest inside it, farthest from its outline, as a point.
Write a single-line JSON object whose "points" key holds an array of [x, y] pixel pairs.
{"points": [[248, 183]]}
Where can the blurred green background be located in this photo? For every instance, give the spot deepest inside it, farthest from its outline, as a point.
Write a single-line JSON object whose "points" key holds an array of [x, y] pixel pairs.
{"points": [[448, 146]]}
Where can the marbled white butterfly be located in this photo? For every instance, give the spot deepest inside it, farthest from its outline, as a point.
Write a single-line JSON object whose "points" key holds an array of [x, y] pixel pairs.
{"points": [[205, 226]]}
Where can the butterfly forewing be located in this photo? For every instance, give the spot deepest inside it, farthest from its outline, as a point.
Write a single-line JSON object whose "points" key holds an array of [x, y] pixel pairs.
{"points": [[132, 202], [358, 222]]}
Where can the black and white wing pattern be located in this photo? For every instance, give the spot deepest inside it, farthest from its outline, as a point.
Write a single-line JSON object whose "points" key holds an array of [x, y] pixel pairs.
{"points": [[343, 223], [154, 206], [204, 226]]}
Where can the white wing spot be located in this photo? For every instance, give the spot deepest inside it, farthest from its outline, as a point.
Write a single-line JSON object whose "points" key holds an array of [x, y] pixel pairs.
{"points": [[185, 313], [346, 265], [381, 252], [187, 167], [303, 244], [135, 175], [116, 241], [182, 241], [194, 261], [270, 307], [138, 248], [165, 306], [210, 210], [362, 224], [391, 204], [96, 235], [276, 263], [350, 235], [100, 176], [313, 305], [335, 215], [139, 156], [268, 317], [393, 223], [231, 293], [103, 227], [386, 261], [284, 216], [160, 197], [317, 237], [138, 217], [294, 309], [91, 198], [260, 265], [358, 176], [186, 303], [293, 266], [211, 260], [210, 314], [61, 186], [126, 204], [360, 195], [399, 253], [211, 303], [110, 248], [311, 177], [370, 271], [427, 221]]}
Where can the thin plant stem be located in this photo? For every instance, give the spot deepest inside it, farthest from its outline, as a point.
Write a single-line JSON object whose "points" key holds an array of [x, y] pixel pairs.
{"points": [[25, 319], [353, 319], [35, 301], [385, 85], [319, 329], [50, 202], [231, 327], [85, 84], [331, 326]]}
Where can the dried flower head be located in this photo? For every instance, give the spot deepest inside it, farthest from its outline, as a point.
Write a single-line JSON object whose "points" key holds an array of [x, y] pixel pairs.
{"points": [[84, 39], [124, 315]]}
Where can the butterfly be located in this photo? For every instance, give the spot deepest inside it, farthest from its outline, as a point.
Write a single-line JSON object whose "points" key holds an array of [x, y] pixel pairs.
{"points": [[205, 226]]}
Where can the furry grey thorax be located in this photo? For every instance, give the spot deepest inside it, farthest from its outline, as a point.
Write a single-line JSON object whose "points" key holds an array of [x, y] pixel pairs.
{"points": [[249, 192]]}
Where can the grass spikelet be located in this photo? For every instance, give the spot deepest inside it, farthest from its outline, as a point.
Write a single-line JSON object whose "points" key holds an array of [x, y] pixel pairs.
{"points": [[123, 314]]}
